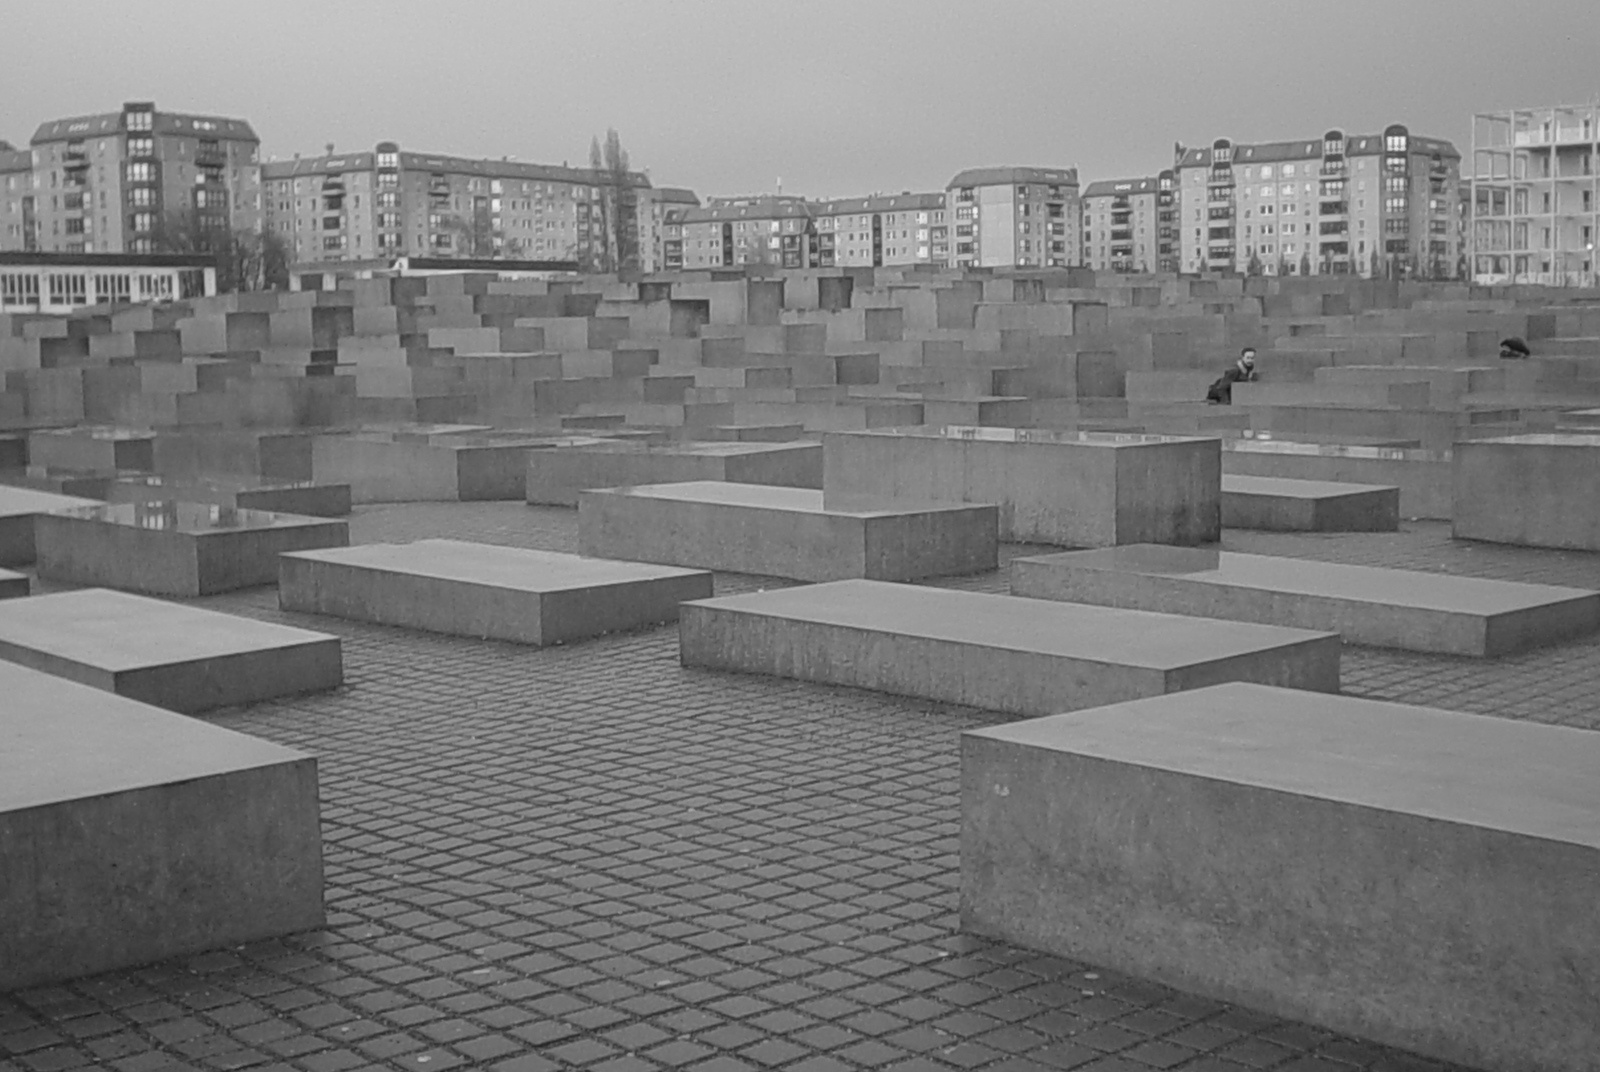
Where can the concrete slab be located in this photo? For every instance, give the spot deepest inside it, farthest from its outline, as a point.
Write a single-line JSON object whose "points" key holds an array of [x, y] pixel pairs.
{"points": [[175, 549], [556, 477], [304, 497], [1423, 476], [132, 834], [18, 508], [12, 584], [1386, 608], [1074, 489], [785, 532], [480, 590], [1024, 657], [1281, 504], [102, 449], [419, 466], [166, 654], [1374, 868], [1533, 490]]}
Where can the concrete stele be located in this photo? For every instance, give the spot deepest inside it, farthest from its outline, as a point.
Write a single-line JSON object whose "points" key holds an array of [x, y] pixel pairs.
{"points": [[1375, 868], [500, 593], [1025, 657], [1073, 489], [786, 532], [175, 548], [132, 834], [1281, 504], [1392, 608], [165, 654]]}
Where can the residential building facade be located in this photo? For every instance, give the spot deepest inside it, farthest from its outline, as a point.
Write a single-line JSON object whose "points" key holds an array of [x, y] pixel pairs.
{"points": [[1014, 216], [1130, 225], [108, 183], [16, 199], [728, 231], [880, 230], [392, 203], [658, 207], [1533, 195], [1384, 204]]}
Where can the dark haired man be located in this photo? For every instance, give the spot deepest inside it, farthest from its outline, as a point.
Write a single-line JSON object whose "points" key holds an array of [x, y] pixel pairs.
{"points": [[1243, 371]]}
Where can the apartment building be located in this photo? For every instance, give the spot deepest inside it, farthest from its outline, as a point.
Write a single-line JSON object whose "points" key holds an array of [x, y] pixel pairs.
{"points": [[1130, 225], [727, 231], [16, 199], [656, 215], [903, 228], [1383, 204], [1533, 196], [391, 203], [1014, 216], [103, 183]]}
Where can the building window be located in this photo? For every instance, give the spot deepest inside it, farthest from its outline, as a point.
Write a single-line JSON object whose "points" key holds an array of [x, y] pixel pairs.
{"points": [[141, 172], [141, 147], [140, 120]]}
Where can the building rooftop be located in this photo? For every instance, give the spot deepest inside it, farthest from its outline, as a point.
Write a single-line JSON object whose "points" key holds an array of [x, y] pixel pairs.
{"points": [[1121, 187], [89, 126], [13, 160], [1006, 176], [459, 165], [1269, 152], [763, 208], [676, 195], [879, 203]]}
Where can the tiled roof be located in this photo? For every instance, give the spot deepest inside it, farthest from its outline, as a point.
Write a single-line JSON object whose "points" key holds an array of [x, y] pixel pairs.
{"points": [[1120, 187], [15, 160], [456, 165], [764, 208], [90, 126], [1354, 145], [676, 195], [879, 203], [1006, 176]]}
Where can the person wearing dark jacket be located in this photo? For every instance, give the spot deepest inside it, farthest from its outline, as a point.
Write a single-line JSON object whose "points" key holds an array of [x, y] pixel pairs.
{"points": [[1243, 371]]}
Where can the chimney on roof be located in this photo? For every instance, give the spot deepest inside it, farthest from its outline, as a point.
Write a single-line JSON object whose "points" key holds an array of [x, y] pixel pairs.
{"points": [[329, 147]]}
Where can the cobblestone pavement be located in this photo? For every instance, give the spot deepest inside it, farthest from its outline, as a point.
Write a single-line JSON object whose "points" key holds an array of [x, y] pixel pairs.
{"points": [[589, 857]]}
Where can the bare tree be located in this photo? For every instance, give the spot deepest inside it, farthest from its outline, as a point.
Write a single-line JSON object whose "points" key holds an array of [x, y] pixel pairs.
{"points": [[245, 259], [614, 234]]}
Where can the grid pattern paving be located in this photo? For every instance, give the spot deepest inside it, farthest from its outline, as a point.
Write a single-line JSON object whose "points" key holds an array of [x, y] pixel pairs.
{"points": [[590, 857]]}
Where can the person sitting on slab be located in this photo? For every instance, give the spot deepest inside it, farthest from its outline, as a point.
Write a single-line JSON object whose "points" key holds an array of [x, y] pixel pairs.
{"points": [[1514, 349], [1243, 370]]}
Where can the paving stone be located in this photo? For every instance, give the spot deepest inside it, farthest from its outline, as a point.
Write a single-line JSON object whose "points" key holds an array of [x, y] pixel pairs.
{"points": [[710, 872]]}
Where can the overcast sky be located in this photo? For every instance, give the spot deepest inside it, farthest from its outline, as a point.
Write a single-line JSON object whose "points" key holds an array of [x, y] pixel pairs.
{"points": [[833, 97]]}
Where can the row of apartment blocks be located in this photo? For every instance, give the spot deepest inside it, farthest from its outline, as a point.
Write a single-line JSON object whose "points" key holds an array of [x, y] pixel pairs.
{"points": [[985, 217], [1335, 203]]}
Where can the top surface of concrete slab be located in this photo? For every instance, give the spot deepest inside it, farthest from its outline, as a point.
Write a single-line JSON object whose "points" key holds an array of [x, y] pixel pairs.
{"points": [[984, 434], [1542, 439], [774, 497], [15, 501], [1334, 450], [194, 519], [63, 741], [713, 448], [100, 432], [1287, 488], [116, 631], [1072, 630], [489, 564], [216, 483], [1490, 772], [1434, 591]]}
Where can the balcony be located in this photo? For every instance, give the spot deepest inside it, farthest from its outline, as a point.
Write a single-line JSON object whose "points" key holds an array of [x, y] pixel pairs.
{"points": [[210, 152], [1334, 208], [1333, 169]]}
